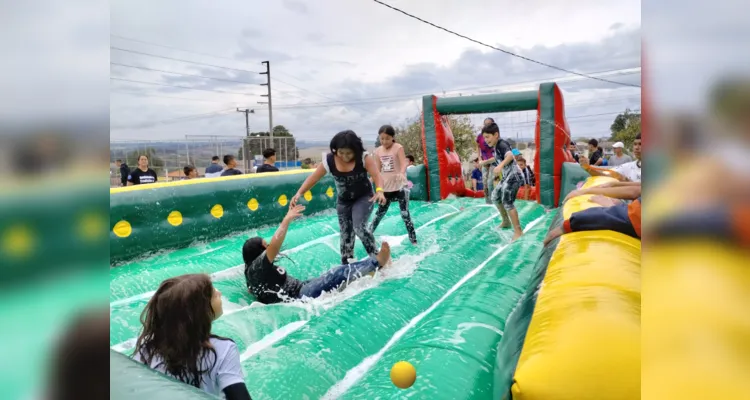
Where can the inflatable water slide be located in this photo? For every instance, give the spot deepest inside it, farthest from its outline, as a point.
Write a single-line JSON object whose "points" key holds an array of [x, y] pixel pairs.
{"points": [[476, 316]]}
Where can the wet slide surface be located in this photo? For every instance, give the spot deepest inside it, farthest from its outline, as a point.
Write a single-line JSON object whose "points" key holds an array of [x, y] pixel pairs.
{"points": [[441, 305]]}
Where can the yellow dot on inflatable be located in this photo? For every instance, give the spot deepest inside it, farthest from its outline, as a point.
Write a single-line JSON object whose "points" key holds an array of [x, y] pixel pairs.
{"points": [[283, 200], [308, 195], [175, 218], [217, 211], [329, 192], [17, 241], [403, 374], [122, 229], [91, 226], [252, 204]]}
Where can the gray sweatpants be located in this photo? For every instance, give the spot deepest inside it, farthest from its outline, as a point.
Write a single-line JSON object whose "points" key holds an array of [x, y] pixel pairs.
{"points": [[353, 218]]}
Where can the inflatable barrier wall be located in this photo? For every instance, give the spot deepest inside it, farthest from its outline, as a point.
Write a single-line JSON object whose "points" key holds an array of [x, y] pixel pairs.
{"points": [[150, 218], [582, 339]]}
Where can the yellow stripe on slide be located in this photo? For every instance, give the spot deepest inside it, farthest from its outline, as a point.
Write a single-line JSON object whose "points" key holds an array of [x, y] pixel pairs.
{"points": [[583, 342]]}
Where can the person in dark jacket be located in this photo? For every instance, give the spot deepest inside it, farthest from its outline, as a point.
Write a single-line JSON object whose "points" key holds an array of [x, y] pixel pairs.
{"points": [[124, 172]]}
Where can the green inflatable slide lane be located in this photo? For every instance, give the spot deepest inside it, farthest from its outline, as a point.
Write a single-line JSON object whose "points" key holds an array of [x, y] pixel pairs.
{"points": [[442, 302]]}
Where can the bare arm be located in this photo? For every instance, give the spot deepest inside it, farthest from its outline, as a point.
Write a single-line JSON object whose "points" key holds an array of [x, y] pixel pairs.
{"points": [[314, 178], [593, 171], [473, 184], [401, 160], [372, 168], [487, 161], [274, 247], [624, 192]]}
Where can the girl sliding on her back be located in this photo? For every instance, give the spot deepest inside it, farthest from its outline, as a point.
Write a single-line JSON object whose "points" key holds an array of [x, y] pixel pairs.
{"points": [[392, 161], [349, 165], [177, 340]]}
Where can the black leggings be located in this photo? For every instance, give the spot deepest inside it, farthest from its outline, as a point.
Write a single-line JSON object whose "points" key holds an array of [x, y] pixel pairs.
{"points": [[353, 216], [403, 204]]}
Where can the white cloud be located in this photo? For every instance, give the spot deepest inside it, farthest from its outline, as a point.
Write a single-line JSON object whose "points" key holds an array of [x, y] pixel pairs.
{"points": [[353, 50]]}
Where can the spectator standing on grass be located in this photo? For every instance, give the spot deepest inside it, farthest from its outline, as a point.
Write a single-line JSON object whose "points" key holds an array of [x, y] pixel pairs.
{"points": [[231, 164], [619, 158], [574, 151], [143, 174], [124, 172], [214, 170], [269, 158], [596, 156], [604, 159], [409, 161], [630, 171], [476, 177], [190, 172]]}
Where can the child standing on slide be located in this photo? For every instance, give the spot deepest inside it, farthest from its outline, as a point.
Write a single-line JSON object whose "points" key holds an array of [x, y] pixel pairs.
{"points": [[504, 194], [349, 164], [392, 162]]}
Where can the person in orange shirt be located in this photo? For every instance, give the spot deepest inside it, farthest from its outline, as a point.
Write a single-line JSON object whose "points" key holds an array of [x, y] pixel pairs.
{"points": [[615, 215]]}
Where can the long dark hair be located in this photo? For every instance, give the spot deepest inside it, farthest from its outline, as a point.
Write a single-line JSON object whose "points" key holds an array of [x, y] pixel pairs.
{"points": [[177, 327], [348, 140]]}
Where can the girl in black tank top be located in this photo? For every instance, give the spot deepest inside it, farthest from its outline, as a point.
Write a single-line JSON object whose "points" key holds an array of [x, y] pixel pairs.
{"points": [[349, 165]]}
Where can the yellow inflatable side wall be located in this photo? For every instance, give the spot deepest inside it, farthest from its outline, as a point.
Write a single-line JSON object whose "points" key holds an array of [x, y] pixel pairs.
{"points": [[583, 341]]}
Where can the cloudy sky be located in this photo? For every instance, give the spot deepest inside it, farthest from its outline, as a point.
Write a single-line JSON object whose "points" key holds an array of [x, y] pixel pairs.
{"points": [[355, 64]]}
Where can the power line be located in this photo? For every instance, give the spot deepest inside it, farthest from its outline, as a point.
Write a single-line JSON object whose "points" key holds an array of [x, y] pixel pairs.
{"points": [[173, 120], [180, 60], [501, 50], [181, 87], [408, 96], [171, 47], [180, 73], [167, 97]]}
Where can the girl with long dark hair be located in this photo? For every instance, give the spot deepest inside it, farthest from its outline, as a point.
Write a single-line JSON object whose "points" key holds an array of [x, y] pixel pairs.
{"points": [[392, 165], [177, 340], [349, 164]]}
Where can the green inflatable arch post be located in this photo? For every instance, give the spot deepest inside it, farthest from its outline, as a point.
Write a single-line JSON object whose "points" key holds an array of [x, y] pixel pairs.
{"points": [[550, 126]]}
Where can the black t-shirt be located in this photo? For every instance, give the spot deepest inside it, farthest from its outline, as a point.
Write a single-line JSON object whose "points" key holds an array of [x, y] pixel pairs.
{"points": [[351, 185], [595, 157], [510, 170], [266, 168], [140, 177], [231, 171], [265, 280]]}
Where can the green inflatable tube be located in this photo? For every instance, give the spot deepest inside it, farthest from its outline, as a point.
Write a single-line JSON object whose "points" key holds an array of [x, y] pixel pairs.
{"points": [[463, 331], [317, 355]]}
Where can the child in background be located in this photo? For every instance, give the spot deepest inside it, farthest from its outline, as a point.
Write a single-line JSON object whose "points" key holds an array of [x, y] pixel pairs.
{"points": [[349, 164], [476, 177], [231, 164], [190, 172], [177, 340], [392, 165], [504, 194]]}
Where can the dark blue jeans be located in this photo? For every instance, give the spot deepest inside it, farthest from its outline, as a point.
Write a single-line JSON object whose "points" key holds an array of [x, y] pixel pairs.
{"points": [[337, 276]]}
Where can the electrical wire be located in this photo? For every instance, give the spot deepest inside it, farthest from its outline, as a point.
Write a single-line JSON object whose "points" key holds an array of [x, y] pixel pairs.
{"points": [[510, 53], [181, 60], [180, 87], [181, 73]]}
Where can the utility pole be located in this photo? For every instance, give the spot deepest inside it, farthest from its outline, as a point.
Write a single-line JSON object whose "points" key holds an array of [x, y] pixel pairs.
{"points": [[270, 103], [247, 119]]}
